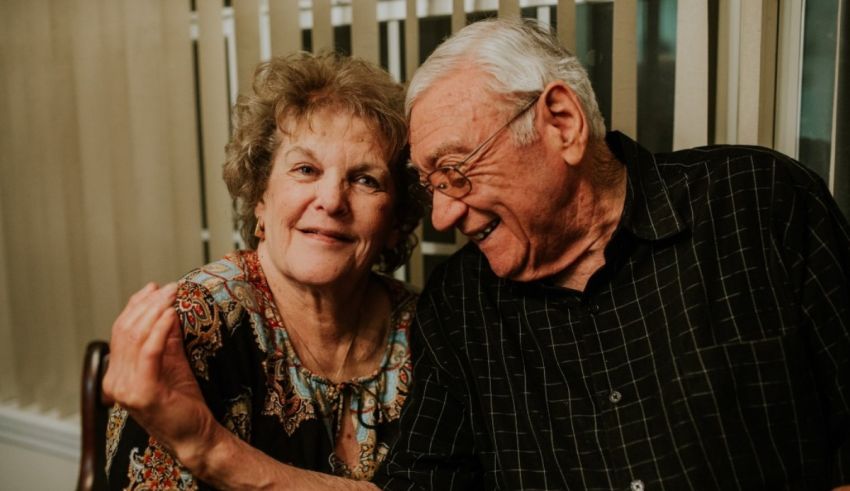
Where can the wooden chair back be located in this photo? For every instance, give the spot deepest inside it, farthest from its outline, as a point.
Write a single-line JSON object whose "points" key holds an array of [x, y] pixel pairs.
{"points": [[94, 414]]}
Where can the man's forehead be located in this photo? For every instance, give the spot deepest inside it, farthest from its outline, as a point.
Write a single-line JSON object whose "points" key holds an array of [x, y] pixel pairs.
{"points": [[445, 121]]}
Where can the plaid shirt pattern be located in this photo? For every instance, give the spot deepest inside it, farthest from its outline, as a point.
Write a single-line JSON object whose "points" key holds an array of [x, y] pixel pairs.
{"points": [[710, 352]]}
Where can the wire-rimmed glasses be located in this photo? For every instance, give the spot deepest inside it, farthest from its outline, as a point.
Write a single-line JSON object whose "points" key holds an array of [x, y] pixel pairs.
{"points": [[449, 179]]}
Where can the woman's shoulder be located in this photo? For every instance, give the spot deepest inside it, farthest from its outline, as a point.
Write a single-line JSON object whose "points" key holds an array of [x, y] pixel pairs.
{"points": [[220, 282]]}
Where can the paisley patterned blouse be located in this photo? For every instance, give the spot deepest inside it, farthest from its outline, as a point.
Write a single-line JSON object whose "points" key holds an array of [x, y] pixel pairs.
{"points": [[256, 386]]}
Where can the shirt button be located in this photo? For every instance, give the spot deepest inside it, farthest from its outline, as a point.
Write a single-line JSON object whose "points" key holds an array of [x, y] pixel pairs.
{"points": [[616, 397], [593, 308], [636, 485]]}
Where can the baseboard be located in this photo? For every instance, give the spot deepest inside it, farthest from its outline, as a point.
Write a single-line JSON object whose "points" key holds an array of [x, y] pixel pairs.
{"points": [[39, 431]]}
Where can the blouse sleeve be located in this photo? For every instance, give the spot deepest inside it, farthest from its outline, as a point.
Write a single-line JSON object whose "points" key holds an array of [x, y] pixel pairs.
{"points": [[216, 351]]}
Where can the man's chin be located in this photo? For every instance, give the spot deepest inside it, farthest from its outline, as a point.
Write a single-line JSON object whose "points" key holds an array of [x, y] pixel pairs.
{"points": [[507, 268]]}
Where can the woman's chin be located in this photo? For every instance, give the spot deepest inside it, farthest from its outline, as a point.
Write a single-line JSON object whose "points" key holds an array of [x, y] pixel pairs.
{"points": [[326, 276]]}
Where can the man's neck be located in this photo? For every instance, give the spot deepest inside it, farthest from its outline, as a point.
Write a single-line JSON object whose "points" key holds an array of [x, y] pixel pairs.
{"points": [[608, 187]]}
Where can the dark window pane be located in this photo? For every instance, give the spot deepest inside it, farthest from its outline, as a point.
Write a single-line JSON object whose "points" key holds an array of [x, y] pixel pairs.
{"points": [[816, 98], [342, 39], [656, 73], [432, 31], [307, 39], [594, 23]]}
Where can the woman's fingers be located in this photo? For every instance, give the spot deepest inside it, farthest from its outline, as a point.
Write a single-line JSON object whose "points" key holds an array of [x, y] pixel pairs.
{"points": [[155, 344], [133, 377]]}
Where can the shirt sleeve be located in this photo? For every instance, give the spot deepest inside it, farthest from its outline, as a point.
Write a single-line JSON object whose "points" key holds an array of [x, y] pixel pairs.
{"points": [[436, 445], [814, 243]]}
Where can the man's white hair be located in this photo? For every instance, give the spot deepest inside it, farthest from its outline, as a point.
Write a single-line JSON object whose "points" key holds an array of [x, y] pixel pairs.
{"points": [[521, 56]]}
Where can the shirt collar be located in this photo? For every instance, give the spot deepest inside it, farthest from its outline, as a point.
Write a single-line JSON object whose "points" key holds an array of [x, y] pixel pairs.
{"points": [[648, 212]]}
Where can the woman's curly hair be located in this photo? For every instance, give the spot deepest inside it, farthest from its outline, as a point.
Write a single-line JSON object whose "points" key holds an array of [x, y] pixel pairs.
{"points": [[294, 87]]}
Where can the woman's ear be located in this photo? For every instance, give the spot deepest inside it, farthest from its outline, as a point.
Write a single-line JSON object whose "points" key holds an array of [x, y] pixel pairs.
{"points": [[565, 121], [260, 226]]}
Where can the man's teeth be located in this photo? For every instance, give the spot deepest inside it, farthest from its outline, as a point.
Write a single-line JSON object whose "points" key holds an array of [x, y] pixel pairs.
{"points": [[484, 233]]}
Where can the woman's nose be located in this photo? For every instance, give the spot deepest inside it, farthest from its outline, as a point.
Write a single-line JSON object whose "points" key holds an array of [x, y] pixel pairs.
{"points": [[332, 195]]}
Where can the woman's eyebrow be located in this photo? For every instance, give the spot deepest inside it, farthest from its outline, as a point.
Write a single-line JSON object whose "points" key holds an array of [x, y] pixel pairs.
{"points": [[371, 167], [302, 150]]}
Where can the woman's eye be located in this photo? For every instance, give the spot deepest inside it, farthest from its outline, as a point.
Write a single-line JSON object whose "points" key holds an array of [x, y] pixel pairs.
{"points": [[368, 181], [304, 170]]}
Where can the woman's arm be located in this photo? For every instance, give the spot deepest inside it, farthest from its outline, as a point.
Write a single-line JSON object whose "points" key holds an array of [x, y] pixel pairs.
{"points": [[150, 377]]}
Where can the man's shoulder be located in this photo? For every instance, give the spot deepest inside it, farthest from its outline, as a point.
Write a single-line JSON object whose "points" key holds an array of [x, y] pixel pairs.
{"points": [[464, 275], [759, 165], [463, 269]]}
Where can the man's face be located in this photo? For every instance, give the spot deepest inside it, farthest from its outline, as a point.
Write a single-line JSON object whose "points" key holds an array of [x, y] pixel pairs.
{"points": [[515, 209]]}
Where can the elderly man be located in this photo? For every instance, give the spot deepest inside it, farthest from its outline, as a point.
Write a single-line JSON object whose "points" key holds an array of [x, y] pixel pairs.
{"points": [[619, 320]]}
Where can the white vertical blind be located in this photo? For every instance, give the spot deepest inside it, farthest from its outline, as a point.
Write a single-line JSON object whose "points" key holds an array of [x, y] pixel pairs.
{"points": [[567, 24], [789, 64], [285, 28], [458, 15], [181, 138], [509, 8], [214, 124], [323, 33], [246, 16], [690, 111], [411, 38], [624, 68], [757, 72], [411, 54], [364, 31]]}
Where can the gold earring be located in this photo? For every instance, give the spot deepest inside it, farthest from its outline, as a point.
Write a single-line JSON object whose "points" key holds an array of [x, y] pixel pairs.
{"points": [[260, 230]]}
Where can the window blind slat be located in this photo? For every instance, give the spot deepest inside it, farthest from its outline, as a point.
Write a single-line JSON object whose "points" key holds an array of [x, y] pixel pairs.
{"points": [[323, 33], [285, 27], [246, 16], [566, 16], [214, 125], [364, 31], [624, 68], [182, 142], [690, 119]]}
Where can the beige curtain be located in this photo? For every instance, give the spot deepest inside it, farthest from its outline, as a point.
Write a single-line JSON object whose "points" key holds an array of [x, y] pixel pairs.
{"points": [[100, 189]]}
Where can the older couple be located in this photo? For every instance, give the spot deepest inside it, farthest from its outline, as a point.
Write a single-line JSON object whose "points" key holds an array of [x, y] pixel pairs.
{"points": [[618, 320]]}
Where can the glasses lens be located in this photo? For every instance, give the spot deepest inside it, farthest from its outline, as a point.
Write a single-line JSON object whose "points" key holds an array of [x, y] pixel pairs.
{"points": [[450, 181]]}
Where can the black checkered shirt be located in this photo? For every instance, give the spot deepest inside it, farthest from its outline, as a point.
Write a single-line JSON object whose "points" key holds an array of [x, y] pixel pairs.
{"points": [[710, 352]]}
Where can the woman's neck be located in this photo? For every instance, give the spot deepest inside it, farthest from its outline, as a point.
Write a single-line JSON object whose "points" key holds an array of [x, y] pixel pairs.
{"points": [[337, 330]]}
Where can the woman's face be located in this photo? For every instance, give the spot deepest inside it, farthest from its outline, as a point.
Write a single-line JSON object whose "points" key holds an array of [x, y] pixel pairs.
{"points": [[328, 205]]}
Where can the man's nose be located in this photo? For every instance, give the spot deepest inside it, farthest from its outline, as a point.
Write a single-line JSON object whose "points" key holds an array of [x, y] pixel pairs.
{"points": [[447, 211]]}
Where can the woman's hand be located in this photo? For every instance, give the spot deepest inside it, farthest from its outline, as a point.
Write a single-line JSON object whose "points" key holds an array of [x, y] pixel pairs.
{"points": [[149, 376]]}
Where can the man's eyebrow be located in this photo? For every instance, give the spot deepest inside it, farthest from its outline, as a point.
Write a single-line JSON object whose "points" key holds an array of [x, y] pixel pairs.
{"points": [[444, 149]]}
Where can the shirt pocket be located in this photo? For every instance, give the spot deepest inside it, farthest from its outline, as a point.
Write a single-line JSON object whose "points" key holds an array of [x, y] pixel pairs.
{"points": [[748, 387]]}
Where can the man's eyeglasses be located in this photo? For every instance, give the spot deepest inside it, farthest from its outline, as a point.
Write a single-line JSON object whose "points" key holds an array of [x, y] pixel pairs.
{"points": [[449, 179]]}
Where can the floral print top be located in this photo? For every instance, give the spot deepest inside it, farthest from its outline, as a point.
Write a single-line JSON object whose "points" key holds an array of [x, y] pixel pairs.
{"points": [[257, 387]]}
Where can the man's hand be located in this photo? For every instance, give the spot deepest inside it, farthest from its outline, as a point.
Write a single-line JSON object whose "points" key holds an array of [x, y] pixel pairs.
{"points": [[149, 375]]}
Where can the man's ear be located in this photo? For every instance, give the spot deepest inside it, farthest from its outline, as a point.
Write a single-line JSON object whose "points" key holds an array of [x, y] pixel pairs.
{"points": [[564, 121]]}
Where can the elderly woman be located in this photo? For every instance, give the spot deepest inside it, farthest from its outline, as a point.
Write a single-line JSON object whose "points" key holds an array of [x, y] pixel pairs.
{"points": [[297, 345]]}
